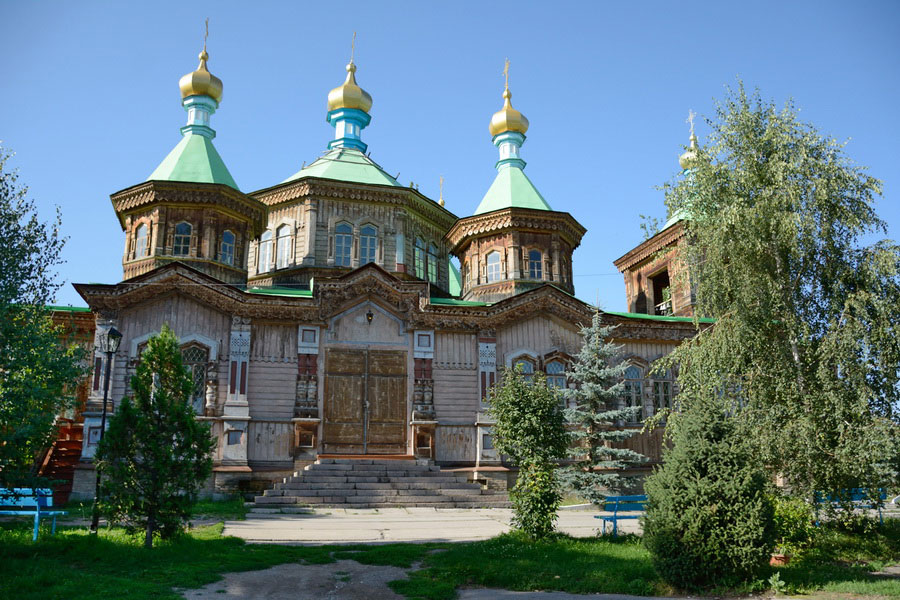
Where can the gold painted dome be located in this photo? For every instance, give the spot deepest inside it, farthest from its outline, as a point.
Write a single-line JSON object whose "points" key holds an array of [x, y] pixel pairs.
{"points": [[508, 118], [689, 158], [201, 82], [349, 95]]}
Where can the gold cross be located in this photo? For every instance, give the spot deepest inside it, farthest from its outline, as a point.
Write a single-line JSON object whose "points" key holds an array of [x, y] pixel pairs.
{"points": [[690, 119], [206, 35], [352, 46], [506, 72], [442, 187]]}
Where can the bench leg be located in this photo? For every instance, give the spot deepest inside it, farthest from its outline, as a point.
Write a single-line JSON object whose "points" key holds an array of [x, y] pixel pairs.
{"points": [[53, 529], [37, 524], [616, 528]]}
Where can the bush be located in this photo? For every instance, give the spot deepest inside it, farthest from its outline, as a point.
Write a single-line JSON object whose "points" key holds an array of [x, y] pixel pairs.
{"points": [[529, 429], [794, 527], [709, 517]]}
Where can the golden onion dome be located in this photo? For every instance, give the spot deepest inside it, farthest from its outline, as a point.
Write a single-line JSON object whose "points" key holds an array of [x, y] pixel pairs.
{"points": [[201, 82], [689, 158], [349, 95], [508, 118]]}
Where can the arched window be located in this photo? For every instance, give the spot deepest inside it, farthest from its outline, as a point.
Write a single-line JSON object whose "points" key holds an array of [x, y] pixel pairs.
{"points": [[524, 365], [535, 264], [634, 390], [420, 258], [662, 390], [182, 243], [283, 247], [493, 266], [264, 256], [196, 361], [556, 373], [226, 249], [141, 241], [432, 263], [368, 243], [343, 244]]}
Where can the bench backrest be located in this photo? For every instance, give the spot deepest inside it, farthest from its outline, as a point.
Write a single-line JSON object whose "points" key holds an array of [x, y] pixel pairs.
{"points": [[850, 495], [26, 497], [625, 503]]}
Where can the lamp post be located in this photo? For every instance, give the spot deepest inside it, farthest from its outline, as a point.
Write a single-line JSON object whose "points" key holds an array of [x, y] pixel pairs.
{"points": [[109, 344]]}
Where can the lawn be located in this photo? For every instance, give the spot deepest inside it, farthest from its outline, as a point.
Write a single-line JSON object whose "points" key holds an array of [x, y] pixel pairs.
{"points": [[73, 565]]}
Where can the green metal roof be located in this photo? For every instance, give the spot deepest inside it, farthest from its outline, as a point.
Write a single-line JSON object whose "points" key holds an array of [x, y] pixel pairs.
{"points": [[69, 308], [280, 291], [511, 189], [345, 164], [658, 317], [455, 286], [194, 159], [455, 302]]}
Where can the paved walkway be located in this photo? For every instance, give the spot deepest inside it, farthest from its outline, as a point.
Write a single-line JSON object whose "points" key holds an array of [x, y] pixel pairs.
{"points": [[419, 525]]}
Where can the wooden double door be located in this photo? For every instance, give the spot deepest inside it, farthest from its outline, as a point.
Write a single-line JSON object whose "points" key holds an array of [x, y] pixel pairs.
{"points": [[365, 401]]}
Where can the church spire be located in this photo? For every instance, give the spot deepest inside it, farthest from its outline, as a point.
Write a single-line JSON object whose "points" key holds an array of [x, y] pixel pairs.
{"points": [[508, 127], [689, 158], [201, 92], [348, 109]]}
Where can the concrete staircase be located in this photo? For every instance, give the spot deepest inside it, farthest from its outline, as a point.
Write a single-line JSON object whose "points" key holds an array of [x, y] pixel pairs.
{"points": [[377, 483]]}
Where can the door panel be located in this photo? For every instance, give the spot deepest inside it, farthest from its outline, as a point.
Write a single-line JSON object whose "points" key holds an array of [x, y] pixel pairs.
{"points": [[346, 385]]}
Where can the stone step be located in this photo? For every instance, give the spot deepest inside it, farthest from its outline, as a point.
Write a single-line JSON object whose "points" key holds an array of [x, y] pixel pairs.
{"points": [[300, 484], [379, 468]]}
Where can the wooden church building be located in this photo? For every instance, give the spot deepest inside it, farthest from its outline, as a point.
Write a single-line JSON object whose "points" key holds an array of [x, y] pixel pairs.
{"points": [[322, 316]]}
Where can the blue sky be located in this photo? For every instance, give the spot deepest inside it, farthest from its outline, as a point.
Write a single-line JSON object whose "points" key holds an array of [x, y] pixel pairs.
{"points": [[90, 100]]}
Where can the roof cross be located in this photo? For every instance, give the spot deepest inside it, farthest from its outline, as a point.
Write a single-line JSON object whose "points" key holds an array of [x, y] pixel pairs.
{"points": [[352, 47], [206, 35], [441, 183], [506, 72], [690, 119]]}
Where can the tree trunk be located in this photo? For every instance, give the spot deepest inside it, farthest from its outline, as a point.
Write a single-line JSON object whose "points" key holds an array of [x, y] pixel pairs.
{"points": [[151, 525]]}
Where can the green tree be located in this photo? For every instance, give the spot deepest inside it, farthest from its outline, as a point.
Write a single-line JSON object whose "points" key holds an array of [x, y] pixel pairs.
{"points": [[530, 430], [709, 517], [596, 409], [156, 454], [37, 371], [807, 336]]}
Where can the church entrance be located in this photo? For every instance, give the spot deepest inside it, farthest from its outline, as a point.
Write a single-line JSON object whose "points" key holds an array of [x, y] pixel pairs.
{"points": [[365, 401]]}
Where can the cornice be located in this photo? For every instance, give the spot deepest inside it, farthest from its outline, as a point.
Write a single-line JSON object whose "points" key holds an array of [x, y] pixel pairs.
{"points": [[316, 187], [648, 248], [517, 219], [184, 193]]}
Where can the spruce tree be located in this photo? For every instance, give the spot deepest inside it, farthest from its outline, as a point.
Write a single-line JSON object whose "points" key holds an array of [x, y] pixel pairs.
{"points": [[156, 454], [597, 409], [709, 515]]}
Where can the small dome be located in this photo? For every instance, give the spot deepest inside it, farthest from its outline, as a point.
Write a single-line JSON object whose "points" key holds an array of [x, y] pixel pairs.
{"points": [[201, 82], [689, 158], [349, 95], [508, 118]]}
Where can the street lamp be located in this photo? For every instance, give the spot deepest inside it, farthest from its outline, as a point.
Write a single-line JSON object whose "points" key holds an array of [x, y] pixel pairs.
{"points": [[108, 344]]}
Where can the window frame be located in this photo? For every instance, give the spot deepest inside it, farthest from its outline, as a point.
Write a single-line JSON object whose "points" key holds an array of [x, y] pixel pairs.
{"points": [[227, 257], [283, 246], [343, 244], [432, 263], [535, 265], [264, 251], [497, 272], [419, 260], [368, 244], [141, 250], [181, 240]]}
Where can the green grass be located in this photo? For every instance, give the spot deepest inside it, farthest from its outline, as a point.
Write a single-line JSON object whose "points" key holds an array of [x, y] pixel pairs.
{"points": [[232, 509], [512, 562], [73, 565]]}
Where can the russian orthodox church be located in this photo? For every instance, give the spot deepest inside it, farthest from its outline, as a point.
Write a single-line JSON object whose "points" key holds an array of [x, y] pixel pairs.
{"points": [[322, 316]]}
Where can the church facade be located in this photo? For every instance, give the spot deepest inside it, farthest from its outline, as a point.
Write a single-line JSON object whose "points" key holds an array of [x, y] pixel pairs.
{"points": [[322, 316]]}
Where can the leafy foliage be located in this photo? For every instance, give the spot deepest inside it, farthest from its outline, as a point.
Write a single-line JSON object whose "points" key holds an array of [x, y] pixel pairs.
{"points": [[597, 406], [807, 338], [37, 371], [794, 524], [155, 454], [530, 430], [709, 517]]}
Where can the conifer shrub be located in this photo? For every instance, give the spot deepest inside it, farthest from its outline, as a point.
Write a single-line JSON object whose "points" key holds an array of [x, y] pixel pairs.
{"points": [[709, 516]]}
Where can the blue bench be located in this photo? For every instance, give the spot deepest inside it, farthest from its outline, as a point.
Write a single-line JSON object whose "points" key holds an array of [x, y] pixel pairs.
{"points": [[856, 497], [36, 500], [620, 504]]}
